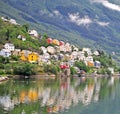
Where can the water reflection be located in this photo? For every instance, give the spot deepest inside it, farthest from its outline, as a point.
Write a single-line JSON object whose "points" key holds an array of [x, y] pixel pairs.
{"points": [[51, 96]]}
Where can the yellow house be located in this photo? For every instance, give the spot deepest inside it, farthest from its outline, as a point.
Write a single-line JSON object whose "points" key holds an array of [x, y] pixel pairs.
{"points": [[33, 57], [23, 57]]}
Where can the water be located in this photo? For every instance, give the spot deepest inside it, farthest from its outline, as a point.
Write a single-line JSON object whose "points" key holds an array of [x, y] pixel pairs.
{"points": [[64, 96]]}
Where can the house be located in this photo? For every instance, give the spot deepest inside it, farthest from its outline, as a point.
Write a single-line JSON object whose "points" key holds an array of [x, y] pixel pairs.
{"points": [[54, 57], [9, 46], [33, 33], [74, 48], [57, 48], [61, 43], [90, 63], [64, 65], [55, 42], [62, 48], [71, 62], [74, 55], [66, 57], [33, 57], [68, 47], [97, 64], [16, 52], [49, 40], [29, 56], [21, 37], [22, 56], [13, 21], [5, 19], [51, 50], [89, 58], [60, 56], [96, 53], [88, 50], [44, 50], [5, 53], [46, 56], [111, 70]]}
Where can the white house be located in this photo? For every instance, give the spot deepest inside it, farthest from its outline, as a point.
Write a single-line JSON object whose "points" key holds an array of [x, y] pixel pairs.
{"points": [[111, 70], [74, 55], [33, 33], [62, 48], [96, 53], [51, 50], [44, 50], [4, 19], [5, 53], [9, 46], [97, 64], [13, 21], [89, 58], [68, 47], [88, 50], [21, 37], [46, 56]]}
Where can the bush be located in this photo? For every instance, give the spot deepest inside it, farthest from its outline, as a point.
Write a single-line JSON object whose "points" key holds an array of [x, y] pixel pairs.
{"points": [[1, 66], [25, 69], [73, 70], [81, 65], [52, 69], [2, 72]]}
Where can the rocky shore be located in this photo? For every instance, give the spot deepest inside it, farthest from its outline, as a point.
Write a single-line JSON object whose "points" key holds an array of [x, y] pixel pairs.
{"points": [[3, 78]]}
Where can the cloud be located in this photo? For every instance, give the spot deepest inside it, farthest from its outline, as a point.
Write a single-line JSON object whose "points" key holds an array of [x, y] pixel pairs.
{"points": [[107, 4], [75, 18], [57, 13], [102, 23]]}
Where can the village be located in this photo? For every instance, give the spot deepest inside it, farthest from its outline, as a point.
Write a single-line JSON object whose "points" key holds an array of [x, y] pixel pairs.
{"points": [[57, 51]]}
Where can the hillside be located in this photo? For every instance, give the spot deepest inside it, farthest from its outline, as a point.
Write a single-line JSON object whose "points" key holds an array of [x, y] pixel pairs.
{"points": [[9, 33], [89, 23]]}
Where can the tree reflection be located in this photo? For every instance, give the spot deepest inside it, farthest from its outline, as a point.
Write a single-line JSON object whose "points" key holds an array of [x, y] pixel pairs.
{"points": [[51, 96]]}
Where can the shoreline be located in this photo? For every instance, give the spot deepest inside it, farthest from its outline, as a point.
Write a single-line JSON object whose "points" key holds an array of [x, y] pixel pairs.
{"points": [[52, 76]]}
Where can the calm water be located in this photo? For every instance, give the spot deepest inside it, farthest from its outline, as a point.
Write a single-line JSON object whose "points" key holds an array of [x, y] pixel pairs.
{"points": [[64, 96]]}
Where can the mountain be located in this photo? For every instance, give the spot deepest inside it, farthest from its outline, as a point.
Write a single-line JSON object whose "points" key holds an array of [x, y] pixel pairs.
{"points": [[90, 23]]}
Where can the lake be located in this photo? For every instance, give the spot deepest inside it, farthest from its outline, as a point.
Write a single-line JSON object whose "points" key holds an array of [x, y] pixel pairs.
{"points": [[85, 95]]}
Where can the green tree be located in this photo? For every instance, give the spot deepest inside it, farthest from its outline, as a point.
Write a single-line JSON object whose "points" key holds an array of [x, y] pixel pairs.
{"points": [[25, 69], [52, 69], [26, 27], [7, 34], [81, 65], [73, 70]]}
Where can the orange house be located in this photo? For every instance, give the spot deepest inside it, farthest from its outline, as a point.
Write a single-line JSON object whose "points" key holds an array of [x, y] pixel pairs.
{"points": [[90, 64], [56, 42]]}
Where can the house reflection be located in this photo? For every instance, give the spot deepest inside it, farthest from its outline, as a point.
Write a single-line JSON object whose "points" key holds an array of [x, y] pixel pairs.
{"points": [[59, 95]]}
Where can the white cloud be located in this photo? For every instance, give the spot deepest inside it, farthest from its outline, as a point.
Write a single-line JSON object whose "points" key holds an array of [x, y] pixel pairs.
{"points": [[57, 13], [75, 18], [107, 4], [102, 23]]}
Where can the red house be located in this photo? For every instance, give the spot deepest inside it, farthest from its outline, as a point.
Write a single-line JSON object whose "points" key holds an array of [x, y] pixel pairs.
{"points": [[49, 40], [64, 66], [61, 43]]}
